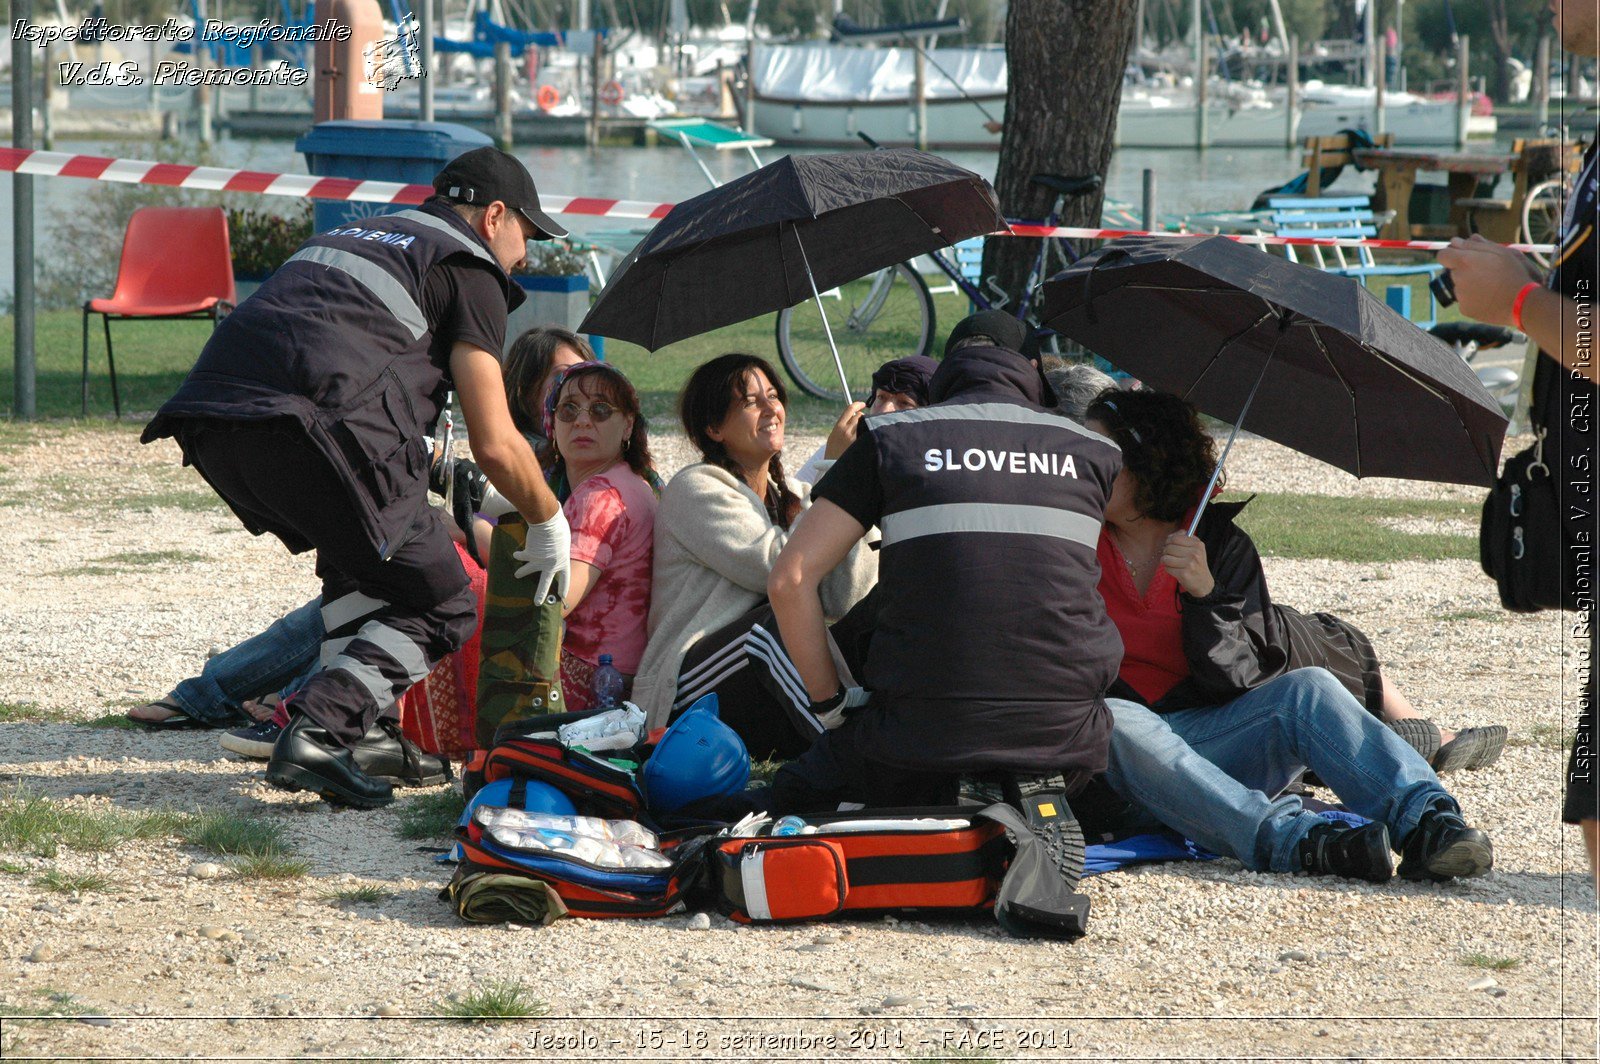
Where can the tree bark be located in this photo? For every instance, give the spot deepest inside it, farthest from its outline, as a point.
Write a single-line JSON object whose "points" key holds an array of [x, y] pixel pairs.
{"points": [[1066, 59], [1500, 37]]}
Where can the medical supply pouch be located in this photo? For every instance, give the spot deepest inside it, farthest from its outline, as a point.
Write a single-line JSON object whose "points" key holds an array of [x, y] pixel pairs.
{"points": [[532, 749], [872, 861]]}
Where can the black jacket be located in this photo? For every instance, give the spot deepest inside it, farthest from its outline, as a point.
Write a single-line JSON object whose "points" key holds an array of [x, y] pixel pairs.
{"points": [[1233, 638]]}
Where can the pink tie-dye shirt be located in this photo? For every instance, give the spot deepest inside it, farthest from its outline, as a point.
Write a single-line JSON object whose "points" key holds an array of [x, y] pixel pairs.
{"points": [[613, 517]]}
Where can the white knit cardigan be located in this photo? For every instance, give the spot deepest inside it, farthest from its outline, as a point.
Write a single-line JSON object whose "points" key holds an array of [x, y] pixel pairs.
{"points": [[714, 546]]}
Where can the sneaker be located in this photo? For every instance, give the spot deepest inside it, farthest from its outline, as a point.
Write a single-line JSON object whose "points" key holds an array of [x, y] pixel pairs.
{"points": [[254, 742], [1043, 802], [1335, 848], [386, 754], [1443, 847]]}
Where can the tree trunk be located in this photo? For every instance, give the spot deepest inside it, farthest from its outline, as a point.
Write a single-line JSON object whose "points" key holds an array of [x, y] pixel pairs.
{"points": [[1066, 59]]}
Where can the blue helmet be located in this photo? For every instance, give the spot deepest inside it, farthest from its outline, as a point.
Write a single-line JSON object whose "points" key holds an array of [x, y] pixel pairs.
{"points": [[535, 797], [699, 757]]}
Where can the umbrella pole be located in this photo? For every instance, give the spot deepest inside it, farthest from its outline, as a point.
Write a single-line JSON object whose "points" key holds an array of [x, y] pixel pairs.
{"points": [[837, 363], [1205, 496]]}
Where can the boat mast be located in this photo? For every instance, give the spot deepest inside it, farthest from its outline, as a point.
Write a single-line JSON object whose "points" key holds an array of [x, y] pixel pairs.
{"points": [[1278, 26]]}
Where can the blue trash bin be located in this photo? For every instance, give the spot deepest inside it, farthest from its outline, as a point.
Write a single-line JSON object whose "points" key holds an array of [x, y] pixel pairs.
{"points": [[406, 152]]}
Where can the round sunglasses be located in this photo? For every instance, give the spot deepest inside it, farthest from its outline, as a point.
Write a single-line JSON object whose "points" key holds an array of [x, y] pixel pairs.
{"points": [[599, 413]]}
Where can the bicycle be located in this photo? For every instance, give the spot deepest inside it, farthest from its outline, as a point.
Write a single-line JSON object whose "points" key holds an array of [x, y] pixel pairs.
{"points": [[890, 314], [1542, 211]]}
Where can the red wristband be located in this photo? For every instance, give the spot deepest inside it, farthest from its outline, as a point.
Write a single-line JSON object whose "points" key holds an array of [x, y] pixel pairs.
{"points": [[1516, 304]]}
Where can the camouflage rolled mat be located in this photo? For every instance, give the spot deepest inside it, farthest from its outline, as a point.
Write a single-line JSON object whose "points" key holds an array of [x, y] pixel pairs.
{"points": [[519, 669], [501, 897]]}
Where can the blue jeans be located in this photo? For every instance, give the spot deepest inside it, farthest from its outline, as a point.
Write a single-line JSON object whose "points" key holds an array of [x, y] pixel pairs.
{"points": [[1208, 772], [260, 665]]}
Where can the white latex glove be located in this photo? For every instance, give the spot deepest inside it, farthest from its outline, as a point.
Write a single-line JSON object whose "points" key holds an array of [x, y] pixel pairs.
{"points": [[494, 504], [549, 554]]}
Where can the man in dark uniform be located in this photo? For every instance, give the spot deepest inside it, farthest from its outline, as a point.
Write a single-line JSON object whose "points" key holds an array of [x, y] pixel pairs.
{"points": [[986, 500], [1496, 285], [308, 412]]}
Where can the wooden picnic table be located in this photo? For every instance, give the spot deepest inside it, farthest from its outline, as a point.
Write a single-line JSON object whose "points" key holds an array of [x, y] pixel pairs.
{"points": [[1397, 176]]}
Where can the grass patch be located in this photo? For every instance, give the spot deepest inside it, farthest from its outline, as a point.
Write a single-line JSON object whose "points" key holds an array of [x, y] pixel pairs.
{"points": [[60, 882], [13, 868], [763, 771], [365, 894], [1351, 530], [118, 721], [53, 1003], [431, 816], [33, 824], [1494, 964], [271, 866], [1473, 615], [1542, 735], [495, 1001], [235, 836], [30, 713], [125, 561]]}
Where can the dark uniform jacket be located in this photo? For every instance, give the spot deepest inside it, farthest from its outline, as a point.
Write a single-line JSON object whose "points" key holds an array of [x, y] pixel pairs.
{"points": [[336, 344], [992, 649]]}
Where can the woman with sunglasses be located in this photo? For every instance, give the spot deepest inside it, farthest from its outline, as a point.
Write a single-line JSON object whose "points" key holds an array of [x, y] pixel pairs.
{"points": [[723, 521], [603, 472]]}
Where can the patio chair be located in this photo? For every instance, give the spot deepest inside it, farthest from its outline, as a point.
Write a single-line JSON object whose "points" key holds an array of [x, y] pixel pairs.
{"points": [[176, 263]]}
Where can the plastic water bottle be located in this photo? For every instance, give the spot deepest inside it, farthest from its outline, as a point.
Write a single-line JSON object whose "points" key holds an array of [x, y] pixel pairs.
{"points": [[607, 684], [789, 825]]}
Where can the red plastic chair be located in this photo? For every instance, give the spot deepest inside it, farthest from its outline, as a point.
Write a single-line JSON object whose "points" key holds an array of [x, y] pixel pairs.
{"points": [[176, 263]]}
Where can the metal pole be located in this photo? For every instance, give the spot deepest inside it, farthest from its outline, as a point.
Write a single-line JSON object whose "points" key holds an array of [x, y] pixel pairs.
{"points": [[1202, 120], [425, 86], [204, 90], [919, 93], [1400, 42], [1380, 122], [594, 89], [502, 94], [23, 396], [826, 328], [1205, 496], [46, 91], [1291, 122], [1369, 27], [1463, 96], [1149, 201], [1541, 81]]}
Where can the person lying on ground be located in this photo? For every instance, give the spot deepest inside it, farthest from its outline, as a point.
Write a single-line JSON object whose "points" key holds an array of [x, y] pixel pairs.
{"points": [[604, 475], [721, 523], [1497, 285], [1199, 652], [988, 504], [307, 410], [898, 385], [1322, 639]]}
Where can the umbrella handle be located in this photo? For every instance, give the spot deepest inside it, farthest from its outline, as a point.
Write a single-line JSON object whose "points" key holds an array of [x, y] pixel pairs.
{"points": [[1216, 474], [827, 330], [1108, 254]]}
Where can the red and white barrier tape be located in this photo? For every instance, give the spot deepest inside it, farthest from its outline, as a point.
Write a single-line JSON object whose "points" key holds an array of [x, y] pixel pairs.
{"points": [[138, 172]]}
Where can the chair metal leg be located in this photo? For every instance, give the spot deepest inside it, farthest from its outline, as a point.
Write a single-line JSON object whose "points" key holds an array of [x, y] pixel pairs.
{"points": [[86, 361], [111, 360]]}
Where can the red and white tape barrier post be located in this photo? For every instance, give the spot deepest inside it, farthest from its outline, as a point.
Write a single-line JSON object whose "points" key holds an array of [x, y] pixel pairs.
{"points": [[216, 179]]}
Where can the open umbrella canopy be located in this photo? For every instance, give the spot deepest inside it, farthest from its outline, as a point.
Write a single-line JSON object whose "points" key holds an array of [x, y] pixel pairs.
{"points": [[1341, 377], [743, 249]]}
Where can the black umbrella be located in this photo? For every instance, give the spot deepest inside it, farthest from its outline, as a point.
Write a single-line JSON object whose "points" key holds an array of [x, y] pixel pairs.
{"points": [[1349, 381], [736, 252]]}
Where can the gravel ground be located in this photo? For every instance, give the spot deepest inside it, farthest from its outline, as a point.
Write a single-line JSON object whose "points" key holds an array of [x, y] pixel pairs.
{"points": [[121, 577]]}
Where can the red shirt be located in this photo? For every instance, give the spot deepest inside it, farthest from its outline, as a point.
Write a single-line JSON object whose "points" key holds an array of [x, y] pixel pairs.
{"points": [[1151, 626]]}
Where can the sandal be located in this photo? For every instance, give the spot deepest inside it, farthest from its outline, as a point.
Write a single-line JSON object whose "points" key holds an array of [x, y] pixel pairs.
{"points": [[1471, 749], [258, 710], [175, 720]]}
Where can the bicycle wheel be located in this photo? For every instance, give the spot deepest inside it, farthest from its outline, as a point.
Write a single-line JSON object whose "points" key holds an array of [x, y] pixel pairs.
{"points": [[883, 316], [1541, 216]]}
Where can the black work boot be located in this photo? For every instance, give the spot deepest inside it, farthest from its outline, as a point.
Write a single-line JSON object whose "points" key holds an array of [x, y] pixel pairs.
{"points": [[305, 758], [1443, 847], [1335, 848], [385, 753], [1043, 803]]}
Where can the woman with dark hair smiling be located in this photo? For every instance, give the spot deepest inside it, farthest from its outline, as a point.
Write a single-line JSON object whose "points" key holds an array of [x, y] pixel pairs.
{"points": [[1203, 651], [721, 525]]}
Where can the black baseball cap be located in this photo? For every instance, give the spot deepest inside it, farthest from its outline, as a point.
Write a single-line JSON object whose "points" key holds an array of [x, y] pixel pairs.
{"points": [[486, 174], [1005, 330]]}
